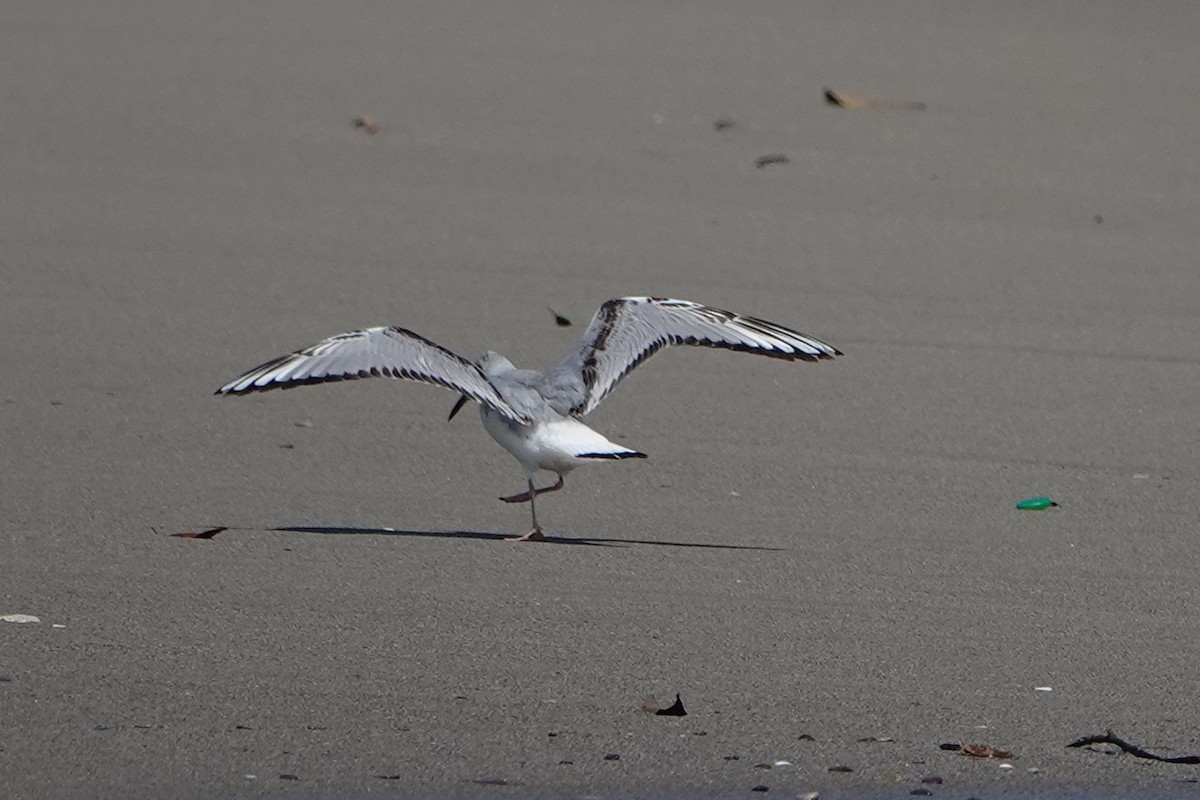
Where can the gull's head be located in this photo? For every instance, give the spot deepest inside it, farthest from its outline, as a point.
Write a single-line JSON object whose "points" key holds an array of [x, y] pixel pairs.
{"points": [[492, 363]]}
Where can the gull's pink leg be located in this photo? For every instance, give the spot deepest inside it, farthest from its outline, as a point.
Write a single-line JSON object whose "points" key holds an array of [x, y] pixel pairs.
{"points": [[525, 496], [535, 533]]}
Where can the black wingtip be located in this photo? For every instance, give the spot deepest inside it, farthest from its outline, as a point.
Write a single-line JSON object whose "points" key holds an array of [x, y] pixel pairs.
{"points": [[462, 401]]}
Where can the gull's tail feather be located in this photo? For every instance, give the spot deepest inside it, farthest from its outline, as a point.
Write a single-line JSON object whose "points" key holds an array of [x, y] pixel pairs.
{"points": [[618, 454]]}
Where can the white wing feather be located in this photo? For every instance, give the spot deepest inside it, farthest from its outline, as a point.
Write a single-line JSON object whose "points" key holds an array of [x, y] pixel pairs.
{"points": [[371, 353], [628, 330]]}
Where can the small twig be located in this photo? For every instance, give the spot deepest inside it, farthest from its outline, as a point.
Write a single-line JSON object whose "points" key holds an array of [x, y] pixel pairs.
{"points": [[1110, 738]]}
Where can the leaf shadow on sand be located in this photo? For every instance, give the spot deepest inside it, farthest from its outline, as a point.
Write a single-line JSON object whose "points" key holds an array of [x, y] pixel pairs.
{"points": [[499, 537]]}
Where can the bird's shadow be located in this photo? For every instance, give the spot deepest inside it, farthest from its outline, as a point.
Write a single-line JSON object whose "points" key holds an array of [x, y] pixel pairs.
{"points": [[500, 537]]}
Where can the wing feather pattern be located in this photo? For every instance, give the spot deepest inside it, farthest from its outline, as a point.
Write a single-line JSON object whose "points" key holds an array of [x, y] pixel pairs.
{"points": [[628, 330], [387, 352]]}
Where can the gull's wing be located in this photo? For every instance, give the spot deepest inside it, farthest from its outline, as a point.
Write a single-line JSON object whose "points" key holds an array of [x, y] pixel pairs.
{"points": [[628, 330], [373, 353]]}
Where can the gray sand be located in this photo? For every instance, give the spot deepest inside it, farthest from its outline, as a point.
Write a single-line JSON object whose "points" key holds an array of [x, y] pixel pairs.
{"points": [[826, 550]]}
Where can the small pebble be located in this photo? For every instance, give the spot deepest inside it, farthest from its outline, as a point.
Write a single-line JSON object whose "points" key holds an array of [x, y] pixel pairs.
{"points": [[760, 788], [811, 796], [949, 746], [932, 779], [840, 768], [921, 792], [612, 757], [287, 776]]}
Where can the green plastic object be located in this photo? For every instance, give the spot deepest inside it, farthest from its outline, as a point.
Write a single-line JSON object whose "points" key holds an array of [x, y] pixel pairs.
{"points": [[1036, 504]]}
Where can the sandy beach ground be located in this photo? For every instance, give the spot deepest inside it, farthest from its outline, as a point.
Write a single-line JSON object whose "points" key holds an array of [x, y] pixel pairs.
{"points": [[812, 556]]}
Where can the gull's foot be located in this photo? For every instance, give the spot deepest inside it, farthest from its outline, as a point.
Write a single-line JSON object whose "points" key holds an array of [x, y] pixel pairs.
{"points": [[523, 497], [534, 535]]}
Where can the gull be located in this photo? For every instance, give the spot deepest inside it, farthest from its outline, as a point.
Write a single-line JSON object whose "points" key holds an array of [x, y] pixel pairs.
{"points": [[536, 414]]}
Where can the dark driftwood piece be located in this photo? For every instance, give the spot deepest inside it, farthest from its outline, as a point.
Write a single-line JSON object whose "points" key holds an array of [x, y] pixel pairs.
{"points": [[1108, 737], [208, 534]]}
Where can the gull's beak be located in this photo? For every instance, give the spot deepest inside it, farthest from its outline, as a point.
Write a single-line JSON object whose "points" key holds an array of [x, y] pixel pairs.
{"points": [[462, 401]]}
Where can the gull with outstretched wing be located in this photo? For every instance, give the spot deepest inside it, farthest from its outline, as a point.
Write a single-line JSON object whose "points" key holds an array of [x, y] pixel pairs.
{"points": [[535, 414]]}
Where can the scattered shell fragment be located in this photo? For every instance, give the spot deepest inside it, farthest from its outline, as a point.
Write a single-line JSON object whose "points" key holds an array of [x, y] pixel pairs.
{"points": [[651, 706], [1005, 766], [367, 123], [984, 751], [1043, 689], [19, 618], [859, 102], [771, 158], [811, 796]]}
